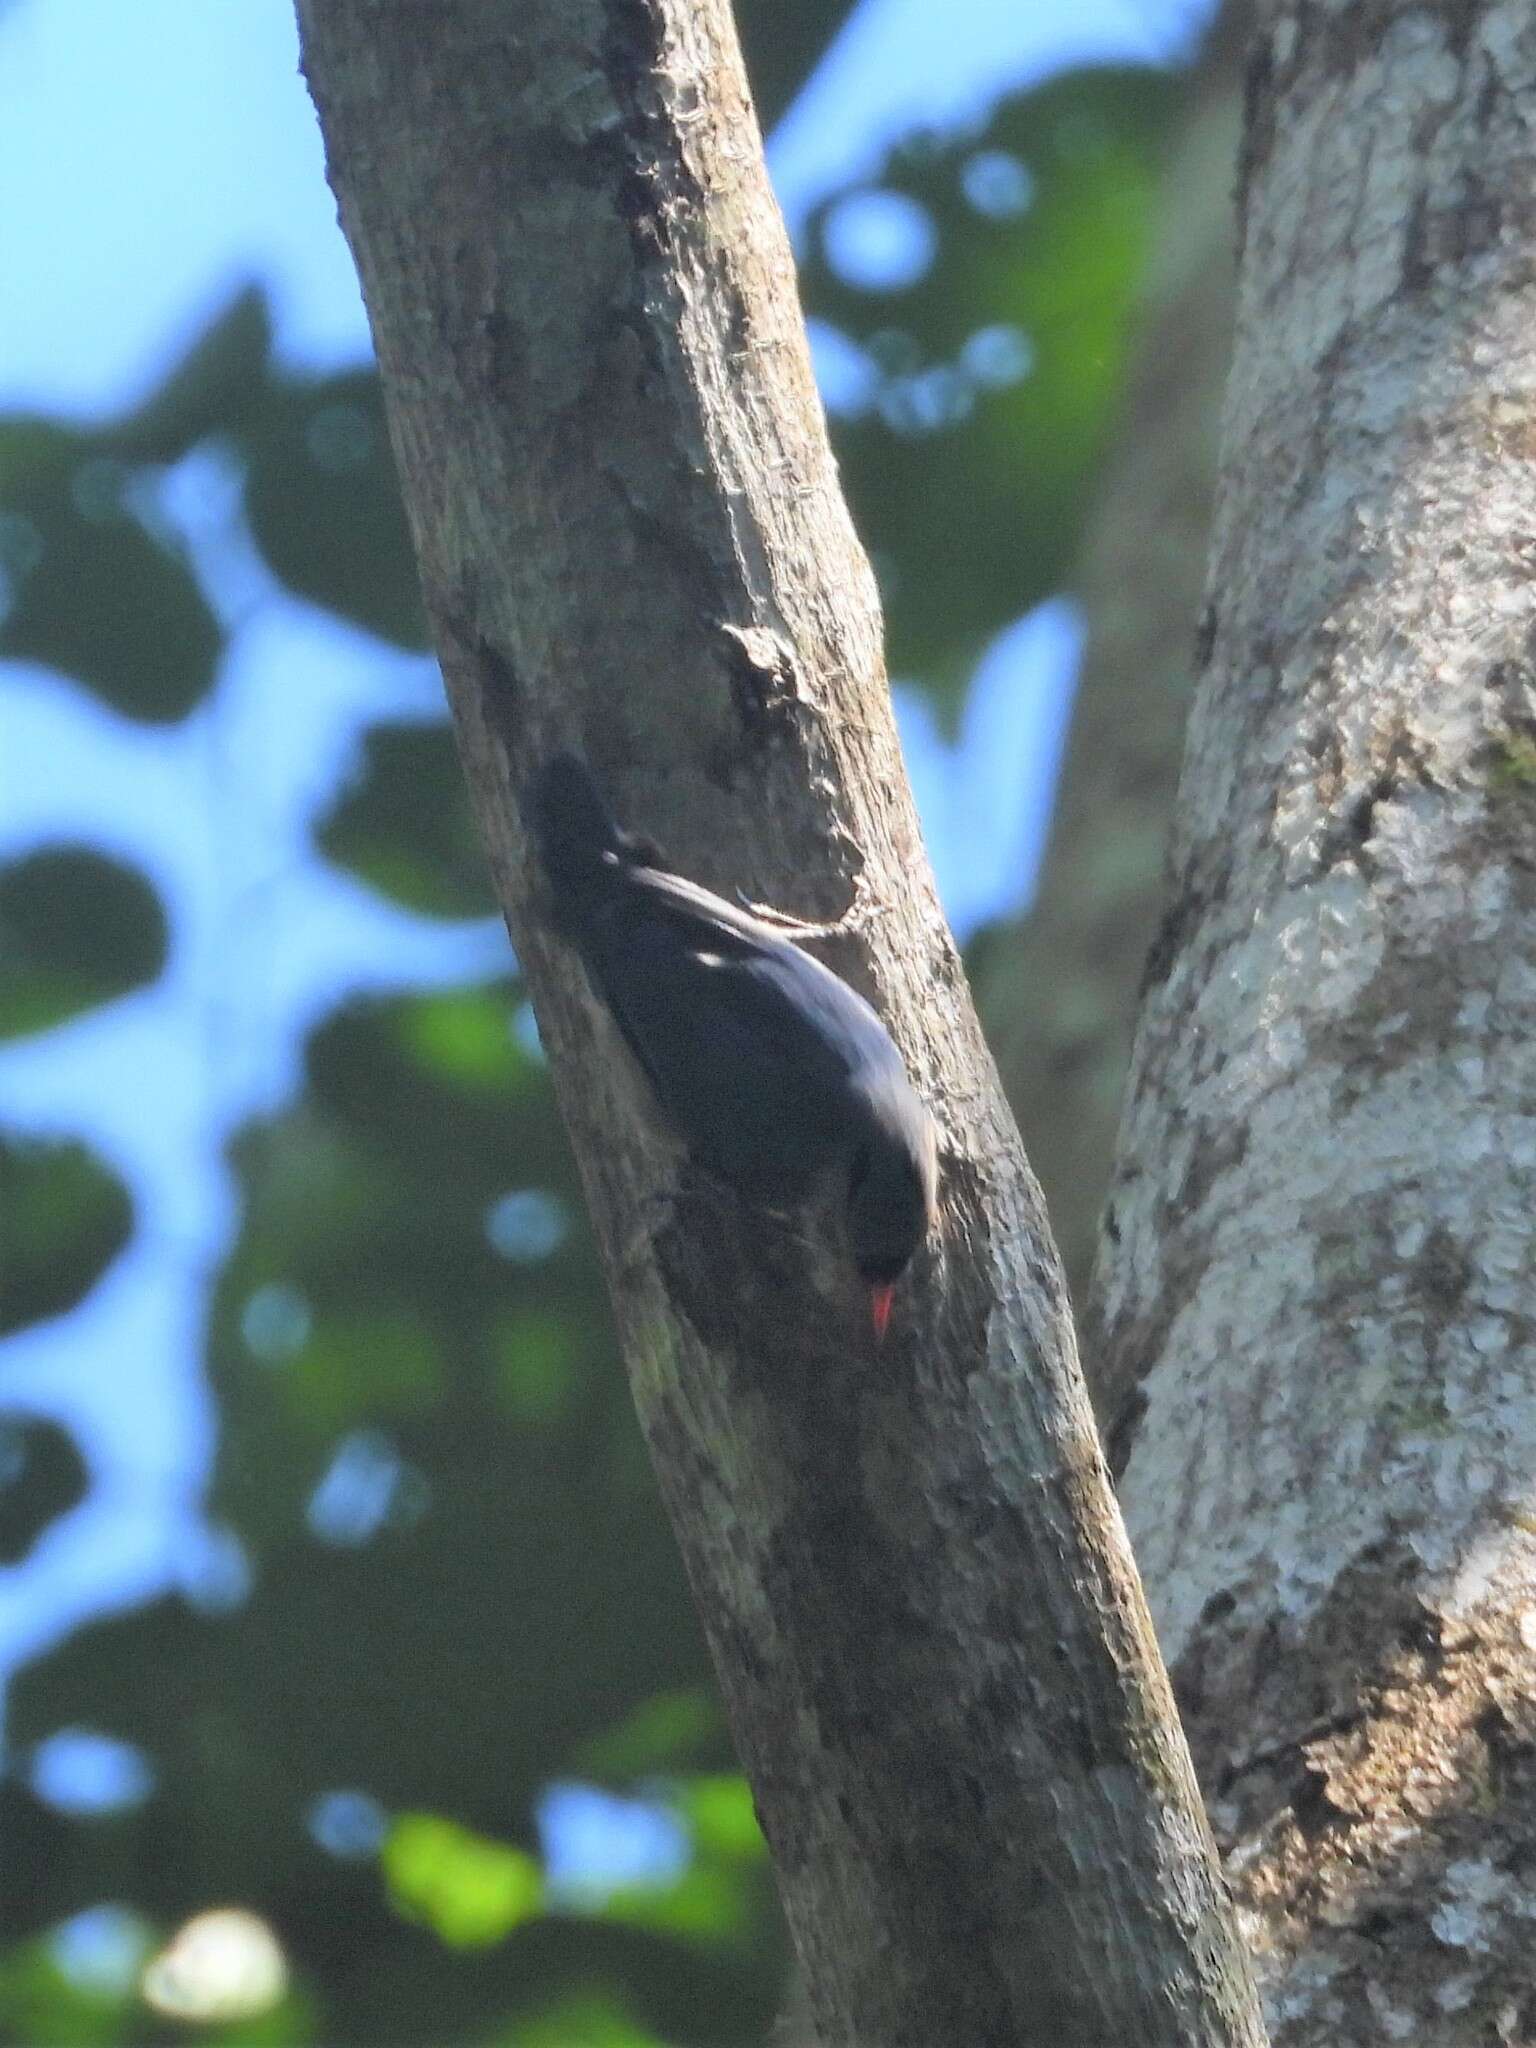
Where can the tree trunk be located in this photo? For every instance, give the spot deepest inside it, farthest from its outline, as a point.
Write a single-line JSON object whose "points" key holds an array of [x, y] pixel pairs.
{"points": [[1059, 997], [929, 1634], [1318, 1264]]}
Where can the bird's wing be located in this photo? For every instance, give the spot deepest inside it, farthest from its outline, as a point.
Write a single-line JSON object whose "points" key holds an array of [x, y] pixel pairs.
{"points": [[767, 981], [750, 1045]]}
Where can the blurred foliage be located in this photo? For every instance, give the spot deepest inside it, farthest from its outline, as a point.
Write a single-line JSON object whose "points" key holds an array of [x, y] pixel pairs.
{"points": [[456, 1588], [404, 826], [440, 1578], [321, 499], [45, 2006], [470, 1891], [76, 929], [987, 373], [66, 1218], [42, 1476], [92, 583], [990, 379], [218, 387]]}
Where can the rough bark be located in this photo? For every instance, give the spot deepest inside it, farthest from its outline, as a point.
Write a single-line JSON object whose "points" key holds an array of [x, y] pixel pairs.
{"points": [[1058, 996], [1317, 1275], [910, 1567]]}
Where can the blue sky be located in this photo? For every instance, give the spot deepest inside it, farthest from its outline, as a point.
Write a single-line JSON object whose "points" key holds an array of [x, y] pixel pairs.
{"points": [[160, 153]]}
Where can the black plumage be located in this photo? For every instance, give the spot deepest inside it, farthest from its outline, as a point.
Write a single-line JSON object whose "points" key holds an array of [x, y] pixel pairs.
{"points": [[770, 1069]]}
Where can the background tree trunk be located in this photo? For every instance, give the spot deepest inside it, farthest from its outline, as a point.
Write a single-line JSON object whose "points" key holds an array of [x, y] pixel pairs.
{"points": [[928, 1631], [1058, 996], [1317, 1272]]}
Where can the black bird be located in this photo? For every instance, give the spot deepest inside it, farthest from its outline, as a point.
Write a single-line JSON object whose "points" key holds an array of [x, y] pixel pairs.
{"points": [[769, 1068]]}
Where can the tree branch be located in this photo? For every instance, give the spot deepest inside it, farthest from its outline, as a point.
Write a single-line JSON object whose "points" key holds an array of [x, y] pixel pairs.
{"points": [[929, 1634]]}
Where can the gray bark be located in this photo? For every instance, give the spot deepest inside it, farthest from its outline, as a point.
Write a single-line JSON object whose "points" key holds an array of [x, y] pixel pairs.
{"points": [[929, 1634], [1317, 1274], [1059, 997]]}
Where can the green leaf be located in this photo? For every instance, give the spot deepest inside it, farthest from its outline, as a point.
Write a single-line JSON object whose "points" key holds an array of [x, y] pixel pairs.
{"points": [[325, 507], [405, 824], [42, 1476], [86, 587], [66, 1218], [76, 929], [469, 1890]]}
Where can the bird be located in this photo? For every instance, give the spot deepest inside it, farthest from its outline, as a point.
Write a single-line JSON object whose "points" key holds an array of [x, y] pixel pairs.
{"points": [[770, 1069]]}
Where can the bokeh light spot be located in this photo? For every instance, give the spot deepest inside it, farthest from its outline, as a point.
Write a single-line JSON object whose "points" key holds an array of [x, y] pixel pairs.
{"points": [[276, 1322], [348, 1824], [997, 184], [81, 1772], [219, 1966], [526, 1225], [880, 241]]}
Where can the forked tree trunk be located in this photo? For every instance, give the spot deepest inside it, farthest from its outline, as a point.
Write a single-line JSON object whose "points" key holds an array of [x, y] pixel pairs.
{"points": [[1318, 1285], [910, 1567]]}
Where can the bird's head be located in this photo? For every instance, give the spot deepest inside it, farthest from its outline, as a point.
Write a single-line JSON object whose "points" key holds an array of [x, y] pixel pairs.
{"points": [[892, 1198]]}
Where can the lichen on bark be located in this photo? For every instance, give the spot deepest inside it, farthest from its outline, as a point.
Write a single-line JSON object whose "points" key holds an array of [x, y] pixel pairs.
{"points": [[1317, 1287]]}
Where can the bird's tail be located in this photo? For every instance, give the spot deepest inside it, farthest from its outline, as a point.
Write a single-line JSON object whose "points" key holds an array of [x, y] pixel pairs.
{"points": [[582, 849]]}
